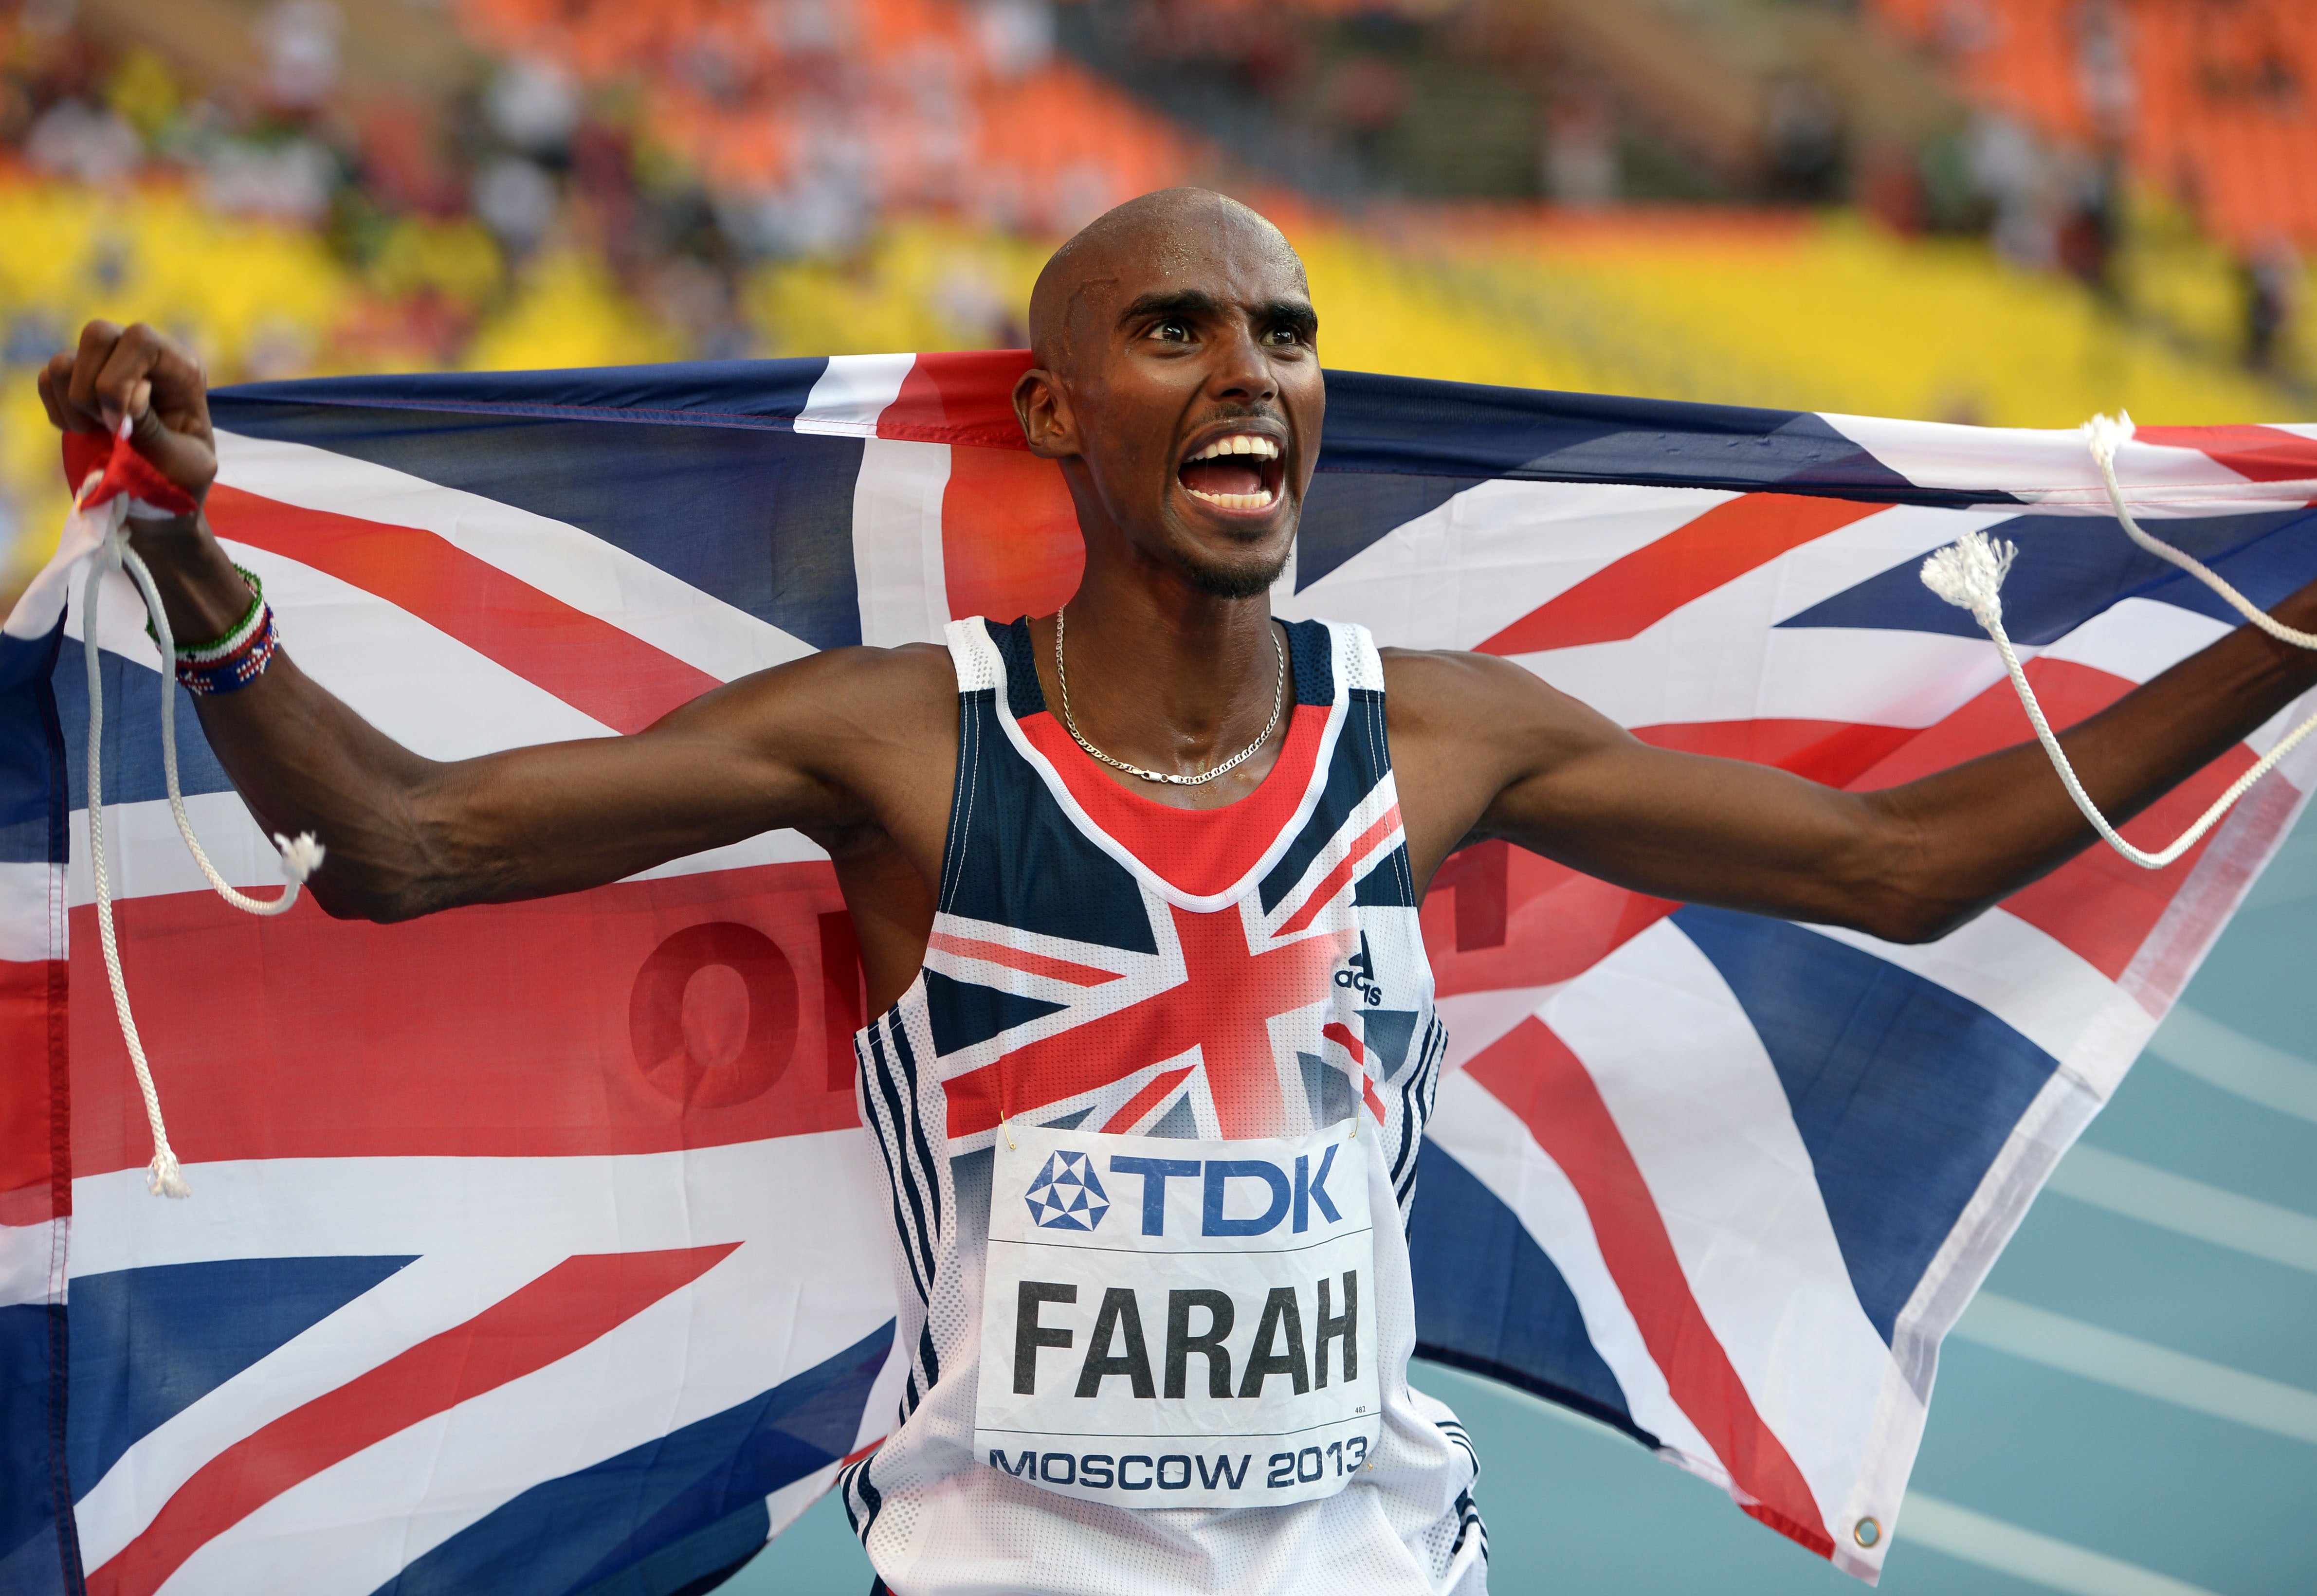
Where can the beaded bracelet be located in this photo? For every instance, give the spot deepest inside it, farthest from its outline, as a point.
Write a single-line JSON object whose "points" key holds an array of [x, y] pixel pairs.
{"points": [[236, 664], [239, 657]]}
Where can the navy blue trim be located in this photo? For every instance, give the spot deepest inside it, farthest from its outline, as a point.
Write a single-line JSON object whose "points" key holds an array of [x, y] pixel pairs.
{"points": [[1311, 658], [916, 1245], [1024, 695]]}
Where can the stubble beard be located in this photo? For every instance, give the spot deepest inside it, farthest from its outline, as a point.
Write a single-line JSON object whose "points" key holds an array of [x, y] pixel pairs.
{"points": [[1235, 579]]}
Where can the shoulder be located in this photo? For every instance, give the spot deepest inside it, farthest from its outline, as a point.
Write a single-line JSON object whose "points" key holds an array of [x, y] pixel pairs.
{"points": [[836, 694], [1477, 701], [1430, 682]]}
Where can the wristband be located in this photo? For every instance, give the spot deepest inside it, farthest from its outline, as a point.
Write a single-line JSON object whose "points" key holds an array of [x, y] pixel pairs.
{"points": [[235, 660]]}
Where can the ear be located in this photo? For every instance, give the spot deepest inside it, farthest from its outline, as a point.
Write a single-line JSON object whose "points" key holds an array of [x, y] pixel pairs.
{"points": [[1042, 406]]}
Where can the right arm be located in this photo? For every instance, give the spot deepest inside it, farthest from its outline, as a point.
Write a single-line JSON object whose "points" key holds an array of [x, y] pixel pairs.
{"points": [[798, 745]]}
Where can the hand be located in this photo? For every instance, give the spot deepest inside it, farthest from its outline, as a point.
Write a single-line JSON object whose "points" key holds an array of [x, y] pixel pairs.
{"points": [[159, 388]]}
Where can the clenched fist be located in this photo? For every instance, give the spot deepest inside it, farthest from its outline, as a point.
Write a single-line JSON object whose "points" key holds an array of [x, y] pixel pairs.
{"points": [[137, 375]]}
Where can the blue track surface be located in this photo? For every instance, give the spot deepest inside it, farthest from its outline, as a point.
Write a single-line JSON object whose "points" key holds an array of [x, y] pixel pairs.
{"points": [[2129, 1410]]}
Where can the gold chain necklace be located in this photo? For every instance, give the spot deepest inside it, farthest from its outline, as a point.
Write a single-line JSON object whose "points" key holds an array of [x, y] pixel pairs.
{"points": [[1278, 698]]}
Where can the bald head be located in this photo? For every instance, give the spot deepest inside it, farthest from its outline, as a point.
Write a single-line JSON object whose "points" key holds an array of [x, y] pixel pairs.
{"points": [[1168, 235]]}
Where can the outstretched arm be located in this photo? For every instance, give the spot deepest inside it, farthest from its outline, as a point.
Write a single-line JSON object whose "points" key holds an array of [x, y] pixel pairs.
{"points": [[1906, 863], [805, 744]]}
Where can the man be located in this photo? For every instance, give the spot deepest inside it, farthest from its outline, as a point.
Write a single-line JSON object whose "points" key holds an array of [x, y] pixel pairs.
{"points": [[1210, 832]]}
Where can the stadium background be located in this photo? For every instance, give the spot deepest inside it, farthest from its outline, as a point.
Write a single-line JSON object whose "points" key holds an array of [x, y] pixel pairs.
{"points": [[2008, 212]]}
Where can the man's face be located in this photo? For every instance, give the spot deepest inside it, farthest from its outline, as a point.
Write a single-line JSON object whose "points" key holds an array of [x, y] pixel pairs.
{"points": [[1191, 399]]}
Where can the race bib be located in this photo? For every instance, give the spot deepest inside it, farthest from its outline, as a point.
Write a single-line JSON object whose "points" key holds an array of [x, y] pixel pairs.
{"points": [[1179, 1323]]}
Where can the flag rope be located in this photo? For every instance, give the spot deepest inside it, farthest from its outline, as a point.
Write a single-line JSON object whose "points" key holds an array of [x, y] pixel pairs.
{"points": [[299, 856], [1969, 574]]}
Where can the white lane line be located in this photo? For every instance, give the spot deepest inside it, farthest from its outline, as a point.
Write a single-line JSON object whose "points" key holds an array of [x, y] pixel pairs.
{"points": [[2187, 1207], [2192, 1041], [2026, 1555], [2130, 1364]]}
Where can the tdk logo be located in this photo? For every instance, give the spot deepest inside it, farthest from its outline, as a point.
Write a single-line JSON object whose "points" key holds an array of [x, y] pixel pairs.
{"points": [[1068, 1195], [1237, 1195]]}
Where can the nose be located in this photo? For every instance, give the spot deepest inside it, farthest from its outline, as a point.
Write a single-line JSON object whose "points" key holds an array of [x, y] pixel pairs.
{"points": [[1242, 372]]}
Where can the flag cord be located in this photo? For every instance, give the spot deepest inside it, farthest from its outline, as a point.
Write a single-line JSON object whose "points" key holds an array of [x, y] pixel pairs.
{"points": [[1969, 574], [298, 857]]}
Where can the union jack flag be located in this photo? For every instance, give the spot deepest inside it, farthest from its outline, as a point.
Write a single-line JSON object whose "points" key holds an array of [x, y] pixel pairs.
{"points": [[536, 1247]]}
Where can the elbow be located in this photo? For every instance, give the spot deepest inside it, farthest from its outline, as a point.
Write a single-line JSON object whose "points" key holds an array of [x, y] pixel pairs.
{"points": [[1911, 919], [345, 900]]}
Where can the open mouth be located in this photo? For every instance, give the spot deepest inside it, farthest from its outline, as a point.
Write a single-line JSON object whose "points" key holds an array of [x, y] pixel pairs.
{"points": [[1239, 472]]}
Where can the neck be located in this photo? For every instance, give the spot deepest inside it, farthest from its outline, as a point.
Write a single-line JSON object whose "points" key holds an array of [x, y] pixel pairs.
{"points": [[1165, 675]]}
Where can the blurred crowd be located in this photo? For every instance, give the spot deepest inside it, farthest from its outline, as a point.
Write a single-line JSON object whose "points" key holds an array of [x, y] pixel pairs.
{"points": [[297, 186]]}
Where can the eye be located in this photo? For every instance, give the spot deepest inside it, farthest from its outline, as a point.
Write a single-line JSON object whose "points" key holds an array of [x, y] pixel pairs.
{"points": [[1285, 336], [1172, 330]]}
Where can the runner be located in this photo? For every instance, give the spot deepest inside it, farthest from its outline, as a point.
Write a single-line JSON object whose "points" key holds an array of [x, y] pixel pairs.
{"points": [[1164, 1349]]}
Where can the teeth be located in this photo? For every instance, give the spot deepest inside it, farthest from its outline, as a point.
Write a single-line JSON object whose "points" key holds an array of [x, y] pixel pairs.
{"points": [[1261, 501], [1240, 443]]}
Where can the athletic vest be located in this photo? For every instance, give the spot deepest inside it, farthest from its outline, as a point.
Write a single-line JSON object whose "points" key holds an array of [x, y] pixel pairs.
{"points": [[1100, 962]]}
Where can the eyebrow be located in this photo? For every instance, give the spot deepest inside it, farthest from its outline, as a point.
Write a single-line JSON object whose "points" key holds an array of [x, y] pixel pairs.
{"points": [[1290, 313], [1185, 301]]}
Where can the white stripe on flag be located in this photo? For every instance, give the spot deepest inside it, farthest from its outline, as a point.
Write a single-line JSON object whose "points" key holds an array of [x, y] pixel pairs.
{"points": [[147, 857], [594, 576], [2053, 469], [852, 392], [1473, 1128], [418, 685], [898, 562], [1681, 673], [1467, 569], [33, 1261], [1681, 1070], [30, 929], [2135, 640]]}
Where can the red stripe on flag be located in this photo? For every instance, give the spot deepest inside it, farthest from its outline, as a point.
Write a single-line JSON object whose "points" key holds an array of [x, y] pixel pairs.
{"points": [[1532, 1073], [1629, 595], [569, 1026], [962, 396], [2264, 454], [591, 665], [571, 1304], [35, 1161], [1337, 878]]}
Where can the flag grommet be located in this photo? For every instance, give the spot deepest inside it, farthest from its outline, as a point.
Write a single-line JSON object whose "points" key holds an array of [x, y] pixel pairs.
{"points": [[1867, 1532]]}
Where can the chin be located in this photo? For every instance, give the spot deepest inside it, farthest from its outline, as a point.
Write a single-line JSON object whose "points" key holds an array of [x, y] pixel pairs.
{"points": [[1238, 574]]}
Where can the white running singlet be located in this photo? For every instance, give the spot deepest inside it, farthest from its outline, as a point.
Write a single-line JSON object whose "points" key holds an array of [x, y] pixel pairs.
{"points": [[1158, 1022]]}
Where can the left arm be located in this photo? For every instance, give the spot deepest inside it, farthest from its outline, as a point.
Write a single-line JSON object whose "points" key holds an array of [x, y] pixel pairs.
{"points": [[1487, 750]]}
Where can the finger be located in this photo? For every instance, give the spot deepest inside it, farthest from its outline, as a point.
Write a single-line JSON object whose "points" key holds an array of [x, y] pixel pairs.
{"points": [[55, 379], [96, 342], [124, 390]]}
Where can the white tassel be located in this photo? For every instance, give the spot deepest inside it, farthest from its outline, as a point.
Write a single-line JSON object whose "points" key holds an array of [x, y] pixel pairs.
{"points": [[1969, 573], [2106, 435], [300, 856]]}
